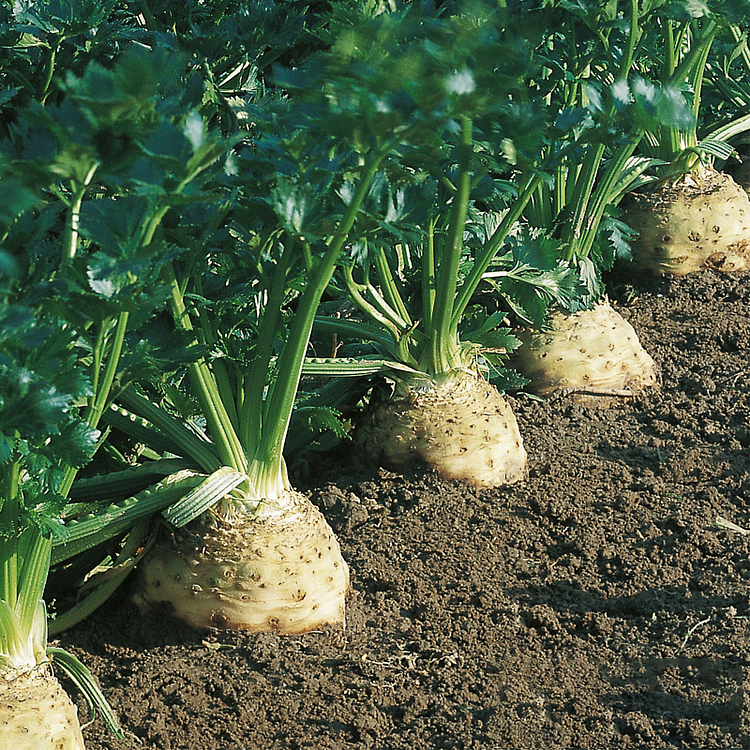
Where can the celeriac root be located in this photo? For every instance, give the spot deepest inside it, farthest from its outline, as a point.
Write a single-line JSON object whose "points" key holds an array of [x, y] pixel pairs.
{"points": [[279, 570], [591, 351], [699, 221], [460, 425], [37, 714]]}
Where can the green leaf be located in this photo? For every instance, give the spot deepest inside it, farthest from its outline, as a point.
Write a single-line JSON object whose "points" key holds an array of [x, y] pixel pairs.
{"points": [[322, 419], [295, 205], [656, 106], [531, 278], [38, 376], [58, 16], [617, 236]]}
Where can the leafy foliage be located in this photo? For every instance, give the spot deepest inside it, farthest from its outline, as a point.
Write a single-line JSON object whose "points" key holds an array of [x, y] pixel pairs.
{"points": [[40, 384]]}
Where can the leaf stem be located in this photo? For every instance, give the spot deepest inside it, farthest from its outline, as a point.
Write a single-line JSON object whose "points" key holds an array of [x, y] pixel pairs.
{"points": [[267, 468], [251, 415], [49, 69], [488, 252], [33, 576], [206, 389], [440, 355], [72, 222], [378, 309], [103, 385], [589, 203], [428, 275], [690, 69], [390, 289], [9, 510]]}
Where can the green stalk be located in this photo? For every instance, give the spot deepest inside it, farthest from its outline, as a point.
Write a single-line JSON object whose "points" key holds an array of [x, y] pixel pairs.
{"points": [[429, 284], [559, 194], [580, 231], [251, 416], [670, 52], [633, 37], [97, 353], [102, 381], [87, 684], [488, 252], [199, 450], [209, 337], [375, 312], [267, 469], [49, 69], [101, 398], [442, 350], [584, 187], [226, 389], [737, 34], [116, 575], [672, 136], [390, 288], [483, 260], [691, 69], [204, 384], [73, 219], [24, 563], [9, 511], [696, 81], [354, 329], [384, 309], [103, 388], [602, 197], [33, 578]]}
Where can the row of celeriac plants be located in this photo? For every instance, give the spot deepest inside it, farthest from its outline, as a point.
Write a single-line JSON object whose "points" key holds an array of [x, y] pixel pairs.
{"points": [[201, 207]]}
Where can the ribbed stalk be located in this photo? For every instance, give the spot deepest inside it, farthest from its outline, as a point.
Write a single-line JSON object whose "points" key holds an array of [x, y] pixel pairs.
{"points": [[251, 415], [489, 251], [442, 349], [429, 282], [204, 384], [390, 288], [690, 69], [73, 219], [267, 465], [9, 510]]}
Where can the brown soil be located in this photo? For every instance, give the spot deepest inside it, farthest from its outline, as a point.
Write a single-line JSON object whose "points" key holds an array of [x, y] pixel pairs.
{"points": [[596, 605]]}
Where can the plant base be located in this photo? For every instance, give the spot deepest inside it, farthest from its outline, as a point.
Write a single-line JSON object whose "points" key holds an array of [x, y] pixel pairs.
{"points": [[698, 221], [37, 714], [592, 352], [460, 425], [279, 570]]}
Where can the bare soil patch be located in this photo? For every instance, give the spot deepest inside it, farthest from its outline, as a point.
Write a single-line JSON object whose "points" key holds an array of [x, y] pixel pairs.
{"points": [[596, 605]]}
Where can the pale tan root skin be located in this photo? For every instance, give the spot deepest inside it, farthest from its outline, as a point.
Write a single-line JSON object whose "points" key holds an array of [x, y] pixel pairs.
{"points": [[269, 573], [690, 224], [462, 427], [591, 352], [37, 714]]}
